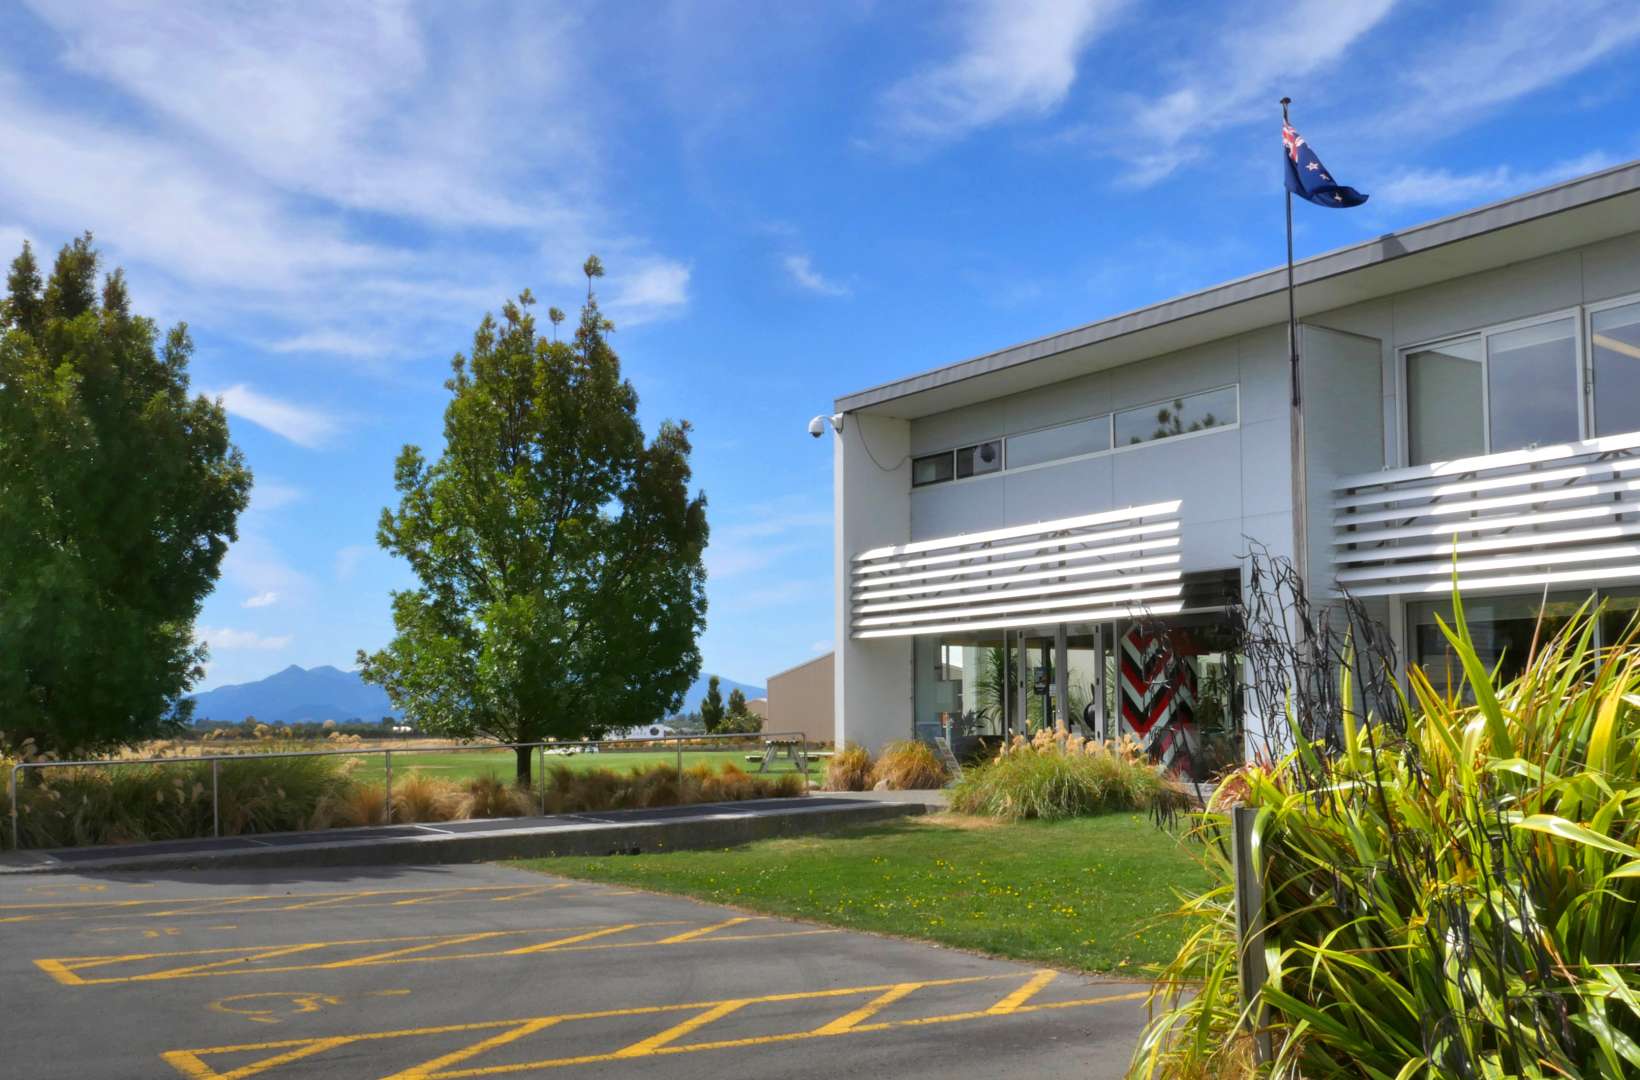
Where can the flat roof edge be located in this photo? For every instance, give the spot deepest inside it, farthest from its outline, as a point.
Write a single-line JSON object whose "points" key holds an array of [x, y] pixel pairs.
{"points": [[1568, 195]]}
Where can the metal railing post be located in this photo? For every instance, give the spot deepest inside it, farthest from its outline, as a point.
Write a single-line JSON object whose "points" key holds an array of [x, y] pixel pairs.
{"points": [[1249, 904], [387, 809], [541, 764], [679, 740], [16, 833], [216, 805]]}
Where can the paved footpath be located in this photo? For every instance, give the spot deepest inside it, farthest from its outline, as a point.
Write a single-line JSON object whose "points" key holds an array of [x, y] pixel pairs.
{"points": [[483, 971]]}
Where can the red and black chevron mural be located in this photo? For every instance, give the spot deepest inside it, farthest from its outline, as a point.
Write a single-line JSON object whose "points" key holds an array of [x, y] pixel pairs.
{"points": [[1159, 697]]}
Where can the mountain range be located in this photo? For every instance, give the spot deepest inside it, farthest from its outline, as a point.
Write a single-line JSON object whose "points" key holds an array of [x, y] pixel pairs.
{"points": [[300, 695]]}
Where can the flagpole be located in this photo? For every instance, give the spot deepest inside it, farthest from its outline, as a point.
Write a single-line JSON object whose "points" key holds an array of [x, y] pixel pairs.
{"points": [[1300, 479]]}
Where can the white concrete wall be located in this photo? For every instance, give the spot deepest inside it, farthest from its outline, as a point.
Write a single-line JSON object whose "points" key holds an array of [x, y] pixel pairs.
{"points": [[871, 478], [1344, 424]]}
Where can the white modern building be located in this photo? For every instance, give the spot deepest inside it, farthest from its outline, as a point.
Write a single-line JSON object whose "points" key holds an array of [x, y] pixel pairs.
{"points": [[1013, 530]]}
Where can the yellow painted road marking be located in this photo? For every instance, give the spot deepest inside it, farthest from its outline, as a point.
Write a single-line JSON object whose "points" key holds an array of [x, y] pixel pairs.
{"points": [[690, 935], [210, 905], [456, 1057], [646, 1047], [376, 958], [238, 959], [848, 1021], [294, 1002], [191, 1063], [1032, 987]]}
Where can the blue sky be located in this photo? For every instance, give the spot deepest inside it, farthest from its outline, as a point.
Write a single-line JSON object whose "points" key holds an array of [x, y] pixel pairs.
{"points": [[793, 201]]}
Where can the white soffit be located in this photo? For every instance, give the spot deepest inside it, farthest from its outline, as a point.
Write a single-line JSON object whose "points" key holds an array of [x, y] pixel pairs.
{"points": [[1557, 515], [1581, 211], [1116, 564]]}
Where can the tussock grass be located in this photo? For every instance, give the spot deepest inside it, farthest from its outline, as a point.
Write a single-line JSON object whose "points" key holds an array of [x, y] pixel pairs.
{"points": [[133, 804], [849, 769], [423, 797], [1058, 776], [909, 766]]}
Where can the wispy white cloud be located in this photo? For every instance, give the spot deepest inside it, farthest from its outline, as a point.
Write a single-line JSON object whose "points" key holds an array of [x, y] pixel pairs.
{"points": [[1015, 56], [761, 538], [348, 559], [262, 599], [245, 160], [651, 289], [801, 270], [1507, 51], [225, 637], [332, 342], [1443, 187], [1231, 75], [271, 495], [255, 565], [824, 645], [301, 424]]}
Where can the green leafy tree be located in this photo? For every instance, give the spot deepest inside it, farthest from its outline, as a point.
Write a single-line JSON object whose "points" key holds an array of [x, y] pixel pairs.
{"points": [[119, 495], [558, 551], [711, 706], [737, 702]]}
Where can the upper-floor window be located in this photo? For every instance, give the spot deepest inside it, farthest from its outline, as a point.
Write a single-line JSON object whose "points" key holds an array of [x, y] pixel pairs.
{"points": [[1063, 441], [1524, 385], [1180, 416], [1614, 354]]}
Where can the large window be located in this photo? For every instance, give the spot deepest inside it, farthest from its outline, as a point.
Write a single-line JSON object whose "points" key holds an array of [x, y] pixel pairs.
{"points": [[1532, 386], [1055, 443], [1180, 416], [1614, 350], [959, 688], [1183, 415], [1524, 385], [1446, 413], [1503, 629]]}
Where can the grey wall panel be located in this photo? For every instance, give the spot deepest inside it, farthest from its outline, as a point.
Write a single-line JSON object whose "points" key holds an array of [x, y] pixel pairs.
{"points": [[949, 509], [1076, 487], [1264, 367], [1202, 470], [1497, 296], [1266, 467], [1344, 426], [1612, 269], [1073, 399], [1211, 545], [1201, 368]]}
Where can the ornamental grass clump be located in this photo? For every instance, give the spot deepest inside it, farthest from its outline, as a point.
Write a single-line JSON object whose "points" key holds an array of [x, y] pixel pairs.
{"points": [[849, 769], [1056, 776], [1452, 886], [909, 766]]}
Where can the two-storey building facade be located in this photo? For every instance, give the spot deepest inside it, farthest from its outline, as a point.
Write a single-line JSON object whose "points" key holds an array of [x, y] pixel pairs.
{"points": [[1013, 532]]}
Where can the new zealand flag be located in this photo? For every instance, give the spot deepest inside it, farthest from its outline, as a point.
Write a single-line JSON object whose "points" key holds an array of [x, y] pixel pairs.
{"points": [[1308, 178]]}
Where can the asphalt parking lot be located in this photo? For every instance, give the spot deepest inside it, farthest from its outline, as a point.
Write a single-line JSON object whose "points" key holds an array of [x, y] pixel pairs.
{"points": [[480, 971]]}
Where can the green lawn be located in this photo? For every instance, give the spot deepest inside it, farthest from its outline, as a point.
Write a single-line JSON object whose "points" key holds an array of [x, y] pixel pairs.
{"points": [[465, 766], [1079, 894]]}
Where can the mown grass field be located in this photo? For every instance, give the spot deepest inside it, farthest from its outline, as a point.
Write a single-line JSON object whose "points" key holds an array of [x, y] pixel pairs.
{"points": [[1084, 893], [450, 765]]}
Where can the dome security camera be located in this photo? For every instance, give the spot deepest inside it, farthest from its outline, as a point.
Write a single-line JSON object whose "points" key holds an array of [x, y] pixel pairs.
{"points": [[817, 426]]}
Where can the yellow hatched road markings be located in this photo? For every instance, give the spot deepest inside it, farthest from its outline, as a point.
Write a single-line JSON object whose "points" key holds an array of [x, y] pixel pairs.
{"points": [[419, 948], [214, 905], [193, 1063]]}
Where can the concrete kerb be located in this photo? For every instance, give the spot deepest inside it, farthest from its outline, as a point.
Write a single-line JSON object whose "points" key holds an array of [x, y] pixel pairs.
{"points": [[715, 825]]}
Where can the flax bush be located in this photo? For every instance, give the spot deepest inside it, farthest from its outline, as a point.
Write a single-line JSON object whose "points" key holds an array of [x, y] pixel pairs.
{"points": [[1462, 900], [1056, 775]]}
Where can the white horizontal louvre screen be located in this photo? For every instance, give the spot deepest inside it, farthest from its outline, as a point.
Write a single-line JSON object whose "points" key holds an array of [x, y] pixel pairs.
{"points": [[1117, 564], [1558, 515]]}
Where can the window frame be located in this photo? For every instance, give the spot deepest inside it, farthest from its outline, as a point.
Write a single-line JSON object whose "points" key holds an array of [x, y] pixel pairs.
{"points": [[1586, 329], [1579, 315], [1214, 430], [1109, 417]]}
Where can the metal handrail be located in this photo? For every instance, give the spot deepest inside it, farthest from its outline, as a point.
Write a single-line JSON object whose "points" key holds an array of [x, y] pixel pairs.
{"points": [[680, 742]]}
